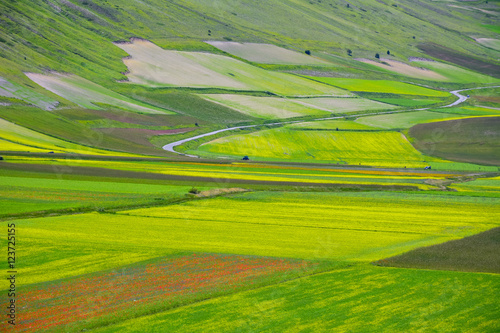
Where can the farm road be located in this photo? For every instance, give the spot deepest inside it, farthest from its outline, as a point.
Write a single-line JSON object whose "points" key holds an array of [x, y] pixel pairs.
{"points": [[170, 147]]}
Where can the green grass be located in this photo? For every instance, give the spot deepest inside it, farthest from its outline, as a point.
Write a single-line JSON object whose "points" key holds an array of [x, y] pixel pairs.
{"points": [[360, 298], [381, 86], [224, 174], [404, 120], [469, 110]]}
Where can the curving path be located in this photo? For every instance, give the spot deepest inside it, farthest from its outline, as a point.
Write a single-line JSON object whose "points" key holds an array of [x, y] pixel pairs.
{"points": [[170, 147]]}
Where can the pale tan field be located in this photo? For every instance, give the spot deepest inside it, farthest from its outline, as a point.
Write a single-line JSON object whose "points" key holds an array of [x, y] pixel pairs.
{"points": [[267, 53], [265, 107], [490, 42], [339, 105], [151, 65], [405, 69], [86, 93]]}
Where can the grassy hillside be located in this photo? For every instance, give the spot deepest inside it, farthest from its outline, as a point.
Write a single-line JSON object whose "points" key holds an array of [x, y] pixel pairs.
{"points": [[75, 36]]}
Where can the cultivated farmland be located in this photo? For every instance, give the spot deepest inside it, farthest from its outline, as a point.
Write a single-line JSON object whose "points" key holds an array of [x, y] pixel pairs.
{"points": [[266, 53], [147, 66], [238, 166], [85, 93], [365, 148]]}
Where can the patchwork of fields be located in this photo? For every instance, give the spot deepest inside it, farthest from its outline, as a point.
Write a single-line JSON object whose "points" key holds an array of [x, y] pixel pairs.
{"points": [[147, 66], [314, 185]]}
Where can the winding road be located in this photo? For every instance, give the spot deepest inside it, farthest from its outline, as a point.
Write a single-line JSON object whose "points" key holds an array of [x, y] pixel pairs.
{"points": [[170, 147]]}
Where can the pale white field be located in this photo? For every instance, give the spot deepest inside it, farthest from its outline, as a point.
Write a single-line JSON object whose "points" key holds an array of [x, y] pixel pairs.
{"points": [[341, 105], [265, 107], [153, 66], [405, 69], [85, 93], [267, 53], [10, 89], [490, 42]]}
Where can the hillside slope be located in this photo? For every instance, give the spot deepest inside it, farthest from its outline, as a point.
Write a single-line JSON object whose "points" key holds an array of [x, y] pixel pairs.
{"points": [[75, 36]]}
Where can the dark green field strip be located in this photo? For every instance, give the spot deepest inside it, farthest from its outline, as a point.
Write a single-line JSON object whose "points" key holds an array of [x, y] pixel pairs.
{"points": [[478, 253], [473, 140]]}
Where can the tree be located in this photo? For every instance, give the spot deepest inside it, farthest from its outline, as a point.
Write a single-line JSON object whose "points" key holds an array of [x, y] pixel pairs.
{"points": [[349, 52], [377, 55]]}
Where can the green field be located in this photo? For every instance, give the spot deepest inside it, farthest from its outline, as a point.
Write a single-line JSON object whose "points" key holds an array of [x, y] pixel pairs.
{"points": [[365, 148], [381, 86], [266, 107], [473, 140], [86, 93], [17, 138], [404, 120], [389, 300], [319, 182], [257, 225], [148, 67]]}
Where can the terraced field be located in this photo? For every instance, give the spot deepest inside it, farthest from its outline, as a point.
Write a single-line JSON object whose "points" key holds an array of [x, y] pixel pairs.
{"points": [[150, 65]]}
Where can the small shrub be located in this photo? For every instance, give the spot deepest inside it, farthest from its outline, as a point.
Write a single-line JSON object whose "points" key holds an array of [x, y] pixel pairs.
{"points": [[194, 190]]}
